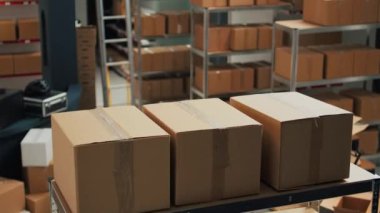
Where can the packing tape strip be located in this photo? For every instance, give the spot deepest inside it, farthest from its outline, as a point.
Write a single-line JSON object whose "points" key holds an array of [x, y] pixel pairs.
{"points": [[123, 162], [220, 149]]}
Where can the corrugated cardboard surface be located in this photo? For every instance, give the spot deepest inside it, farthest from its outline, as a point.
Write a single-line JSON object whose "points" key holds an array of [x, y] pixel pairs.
{"points": [[6, 65], [8, 30], [117, 162], [28, 28], [366, 104], [28, 63], [227, 145], [38, 203], [312, 153], [12, 196]]}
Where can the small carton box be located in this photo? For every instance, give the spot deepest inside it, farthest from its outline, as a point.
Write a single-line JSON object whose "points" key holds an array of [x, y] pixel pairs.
{"points": [[210, 3], [264, 37], [146, 59], [369, 141], [28, 28], [12, 196], [366, 61], [152, 25], [120, 151], [6, 65], [38, 203], [177, 22], [219, 38], [27, 63], [36, 178], [332, 12], [352, 205], [219, 79], [267, 2], [226, 142], [366, 11], [8, 30], [310, 64], [366, 104], [319, 153], [336, 100], [36, 148], [240, 2], [263, 73], [242, 78], [237, 38]]}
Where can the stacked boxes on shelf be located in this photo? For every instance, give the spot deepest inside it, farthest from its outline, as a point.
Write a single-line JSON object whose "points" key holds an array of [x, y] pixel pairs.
{"points": [[86, 50], [233, 3]]}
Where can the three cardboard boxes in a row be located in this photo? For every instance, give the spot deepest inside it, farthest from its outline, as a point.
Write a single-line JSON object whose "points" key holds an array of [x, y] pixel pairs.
{"points": [[118, 159]]}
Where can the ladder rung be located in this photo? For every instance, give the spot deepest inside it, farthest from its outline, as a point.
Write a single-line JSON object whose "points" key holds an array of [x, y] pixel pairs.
{"points": [[115, 40], [114, 17], [118, 63]]}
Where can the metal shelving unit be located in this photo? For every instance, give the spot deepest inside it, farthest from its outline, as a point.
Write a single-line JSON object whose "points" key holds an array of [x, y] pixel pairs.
{"points": [[360, 181], [296, 28], [206, 55], [105, 65]]}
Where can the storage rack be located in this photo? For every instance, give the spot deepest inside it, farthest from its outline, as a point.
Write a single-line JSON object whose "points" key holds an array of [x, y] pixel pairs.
{"points": [[103, 41], [360, 181], [298, 27], [139, 74], [206, 55]]}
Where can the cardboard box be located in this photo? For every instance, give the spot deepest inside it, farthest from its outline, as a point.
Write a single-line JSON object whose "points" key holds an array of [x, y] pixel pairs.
{"points": [[369, 141], [333, 56], [36, 148], [181, 57], [152, 25], [310, 64], [267, 2], [297, 4], [28, 28], [352, 205], [333, 12], [146, 59], [263, 74], [132, 174], [242, 79], [366, 61], [8, 30], [177, 22], [366, 104], [38, 203], [219, 80], [225, 167], [209, 3], [240, 2], [378, 17], [6, 65], [28, 63], [219, 38], [317, 154], [119, 7], [243, 38], [12, 196], [366, 11], [36, 178], [336, 100]]}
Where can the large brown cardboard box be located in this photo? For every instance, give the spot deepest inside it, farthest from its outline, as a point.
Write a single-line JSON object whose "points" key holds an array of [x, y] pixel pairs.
{"points": [[365, 11], [352, 205], [336, 100], [210, 3], [310, 64], [28, 28], [328, 12], [317, 154], [226, 142], [27, 63], [177, 22], [333, 56], [240, 2], [219, 38], [152, 25], [12, 196], [8, 30], [369, 141], [6, 65], [242, 79], [118, 162], [37, 178], [219, 79], [366, 104], [38, 203]]}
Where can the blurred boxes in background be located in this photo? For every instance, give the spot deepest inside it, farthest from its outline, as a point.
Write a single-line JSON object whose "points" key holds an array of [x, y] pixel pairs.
{"points": [[352, 204], [209, 3], [219, 38], [28, 28], [86, 53], [340, 101], [36, 178], [6, 65], [163, 89], [177, 22], [243, 38], [27, 63], [152, 25], [241, 2], [366, 104], [333, 12], [38, 203], [8, 30], [369, 141], [12, 196]]}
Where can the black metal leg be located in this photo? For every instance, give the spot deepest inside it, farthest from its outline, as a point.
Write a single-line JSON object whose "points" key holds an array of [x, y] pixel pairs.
{"points": [[375, 196]]}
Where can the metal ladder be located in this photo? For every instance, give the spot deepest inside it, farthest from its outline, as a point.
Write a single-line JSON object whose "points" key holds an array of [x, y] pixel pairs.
{"points": [[103, 41]]}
